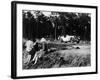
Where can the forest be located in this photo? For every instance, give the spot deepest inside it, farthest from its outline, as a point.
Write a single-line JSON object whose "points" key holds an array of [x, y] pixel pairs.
{"points": [[36, 24]]}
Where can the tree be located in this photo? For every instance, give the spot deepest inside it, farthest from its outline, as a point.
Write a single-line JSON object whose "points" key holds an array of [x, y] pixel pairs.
{"points": [[37, 25]]}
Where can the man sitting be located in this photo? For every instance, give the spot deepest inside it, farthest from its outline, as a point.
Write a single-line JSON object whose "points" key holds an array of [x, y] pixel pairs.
{"points": [[39, 53]]}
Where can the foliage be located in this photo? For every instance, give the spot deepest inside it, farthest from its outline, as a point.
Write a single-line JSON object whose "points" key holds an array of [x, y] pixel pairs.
{"points": [[39, 25], [54, 58]]}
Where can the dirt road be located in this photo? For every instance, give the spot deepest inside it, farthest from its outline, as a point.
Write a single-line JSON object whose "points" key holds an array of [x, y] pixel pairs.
{"points": [[83, 50]]}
